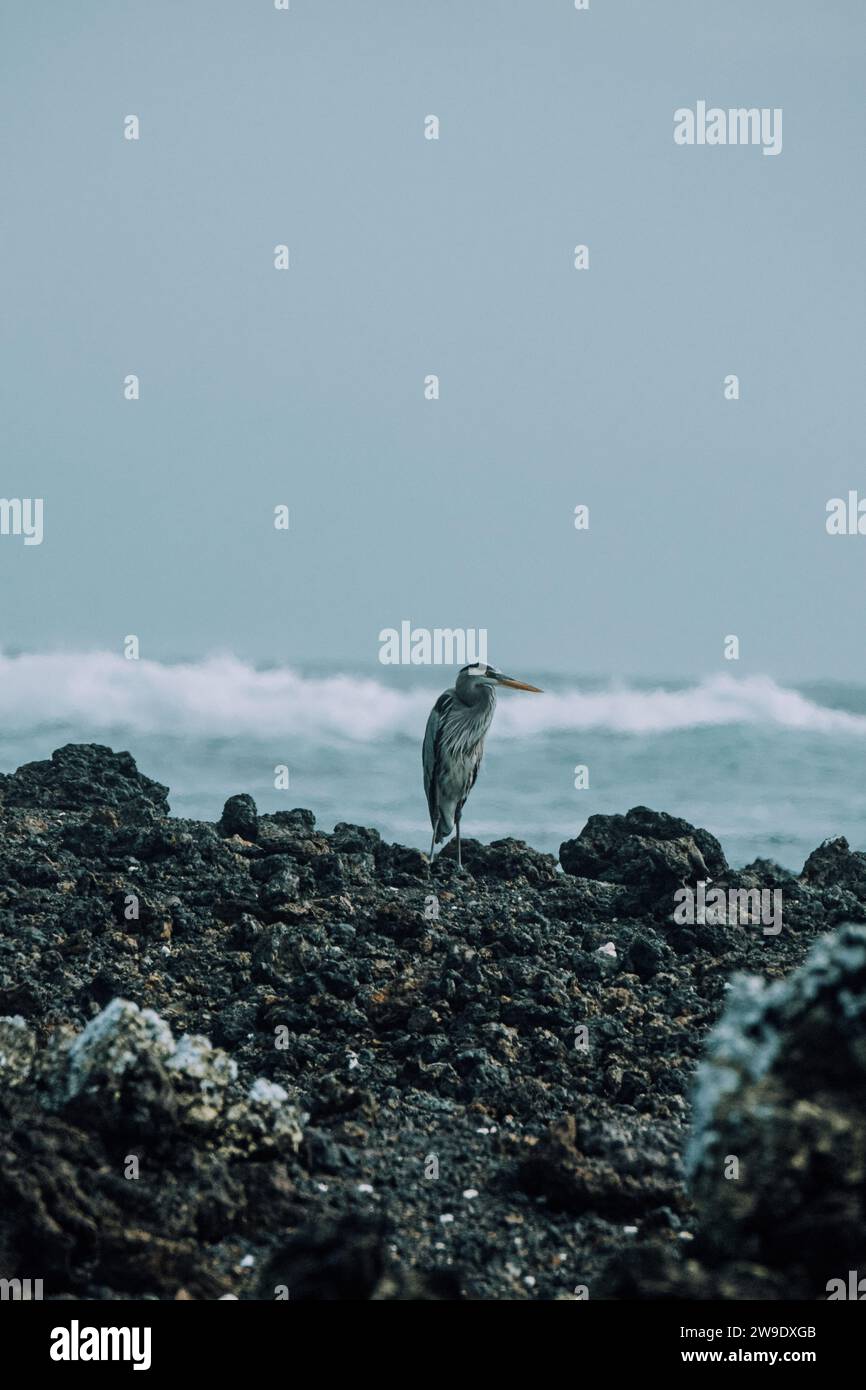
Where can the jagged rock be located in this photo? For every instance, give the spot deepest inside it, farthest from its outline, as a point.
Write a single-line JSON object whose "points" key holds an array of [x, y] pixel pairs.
{"points": [[646, 955], [299, 821], [657, 1270], [355, 839], [650, 851], [427, 1018], [114, 1072], [69, 1209], [780, 1100], [616, 1167], [347, 1259], [590, 900], [17, 1049], [83, 775], [126, 1072], [240, 817], [265, 1121], [201, 1075], [280, 888], [399, 862], [767, 873], [507, 859], [834, 865]]}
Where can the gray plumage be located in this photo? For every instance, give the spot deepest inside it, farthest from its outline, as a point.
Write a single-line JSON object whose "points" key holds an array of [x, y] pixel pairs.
{"points": [[454, 745]]}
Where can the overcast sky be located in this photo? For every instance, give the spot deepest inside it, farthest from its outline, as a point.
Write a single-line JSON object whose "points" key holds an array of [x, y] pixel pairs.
{"points": [[410, 257]]}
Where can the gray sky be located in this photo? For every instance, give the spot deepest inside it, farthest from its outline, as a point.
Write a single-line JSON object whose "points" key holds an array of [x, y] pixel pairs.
{"points": [[454, 257]]}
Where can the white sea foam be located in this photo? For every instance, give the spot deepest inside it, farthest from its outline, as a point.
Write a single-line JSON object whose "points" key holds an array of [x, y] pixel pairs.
{"points": [[222, 696], [718, 700]]}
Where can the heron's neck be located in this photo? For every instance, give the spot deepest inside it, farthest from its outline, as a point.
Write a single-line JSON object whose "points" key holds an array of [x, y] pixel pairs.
{"points": [[475, 694]]}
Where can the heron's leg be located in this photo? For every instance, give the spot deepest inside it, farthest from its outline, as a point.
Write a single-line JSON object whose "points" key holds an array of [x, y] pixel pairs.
{"points": [[432, 846], [457, 824]]}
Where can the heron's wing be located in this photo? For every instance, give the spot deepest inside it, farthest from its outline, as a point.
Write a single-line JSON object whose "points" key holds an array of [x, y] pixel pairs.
{"points": [[432, 750], [473, 776], [477, 755]]}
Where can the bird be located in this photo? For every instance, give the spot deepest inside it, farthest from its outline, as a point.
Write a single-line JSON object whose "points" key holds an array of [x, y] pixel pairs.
{"points": [[454, 744]]}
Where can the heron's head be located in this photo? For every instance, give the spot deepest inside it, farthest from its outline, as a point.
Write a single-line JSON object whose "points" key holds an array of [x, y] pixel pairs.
{"points": [[488, 675]]}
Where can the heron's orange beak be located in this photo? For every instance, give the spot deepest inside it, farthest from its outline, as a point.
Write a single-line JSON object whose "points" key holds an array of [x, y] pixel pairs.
{"points": [[518, 685]]}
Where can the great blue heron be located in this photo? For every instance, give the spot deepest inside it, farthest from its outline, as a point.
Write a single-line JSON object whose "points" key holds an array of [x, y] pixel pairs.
{"points": [[454, 744]]}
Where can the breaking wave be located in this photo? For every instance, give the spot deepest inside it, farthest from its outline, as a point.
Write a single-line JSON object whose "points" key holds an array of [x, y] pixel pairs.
{"points": [[224, 697]]}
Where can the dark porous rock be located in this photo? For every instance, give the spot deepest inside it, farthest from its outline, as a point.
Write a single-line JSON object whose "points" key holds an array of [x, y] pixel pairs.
{"points": [[355, 839], [650, 851], [508, 859], [299, 821], [240, 817], [833, 864], [768, 873], [340, 1067], [81, 776], [279, 888], [70, 1208], [331, 872], [277, 952], [348, 1259], [664, 1269], [17, 1051], [617, 1167], [589, 900], [398, 863], [270, 865], [777, 1156], [646, 955], [126, 1074]]}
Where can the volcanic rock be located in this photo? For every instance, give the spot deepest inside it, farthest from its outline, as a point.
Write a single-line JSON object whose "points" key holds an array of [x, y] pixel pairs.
{"points": [[777, 1155], [497, 1062], [649, 851], [84, 775], [240, 817]]}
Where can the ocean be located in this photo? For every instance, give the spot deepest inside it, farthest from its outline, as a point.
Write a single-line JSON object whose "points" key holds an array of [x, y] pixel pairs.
{"points": [[771, 770]]}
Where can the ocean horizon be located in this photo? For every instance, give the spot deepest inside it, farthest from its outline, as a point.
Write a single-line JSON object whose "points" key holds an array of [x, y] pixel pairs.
{"points": [[771, 769]]}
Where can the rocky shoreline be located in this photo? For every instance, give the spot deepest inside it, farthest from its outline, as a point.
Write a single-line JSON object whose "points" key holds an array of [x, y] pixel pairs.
{"points": [[254, 1060]]}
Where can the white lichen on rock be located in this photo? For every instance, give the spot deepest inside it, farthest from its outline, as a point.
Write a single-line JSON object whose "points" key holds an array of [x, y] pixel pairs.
{"points": [[113, 1043], [17, 1048], [265, 1119], [202, 1074], [779, 1116], [127, 1063]]}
